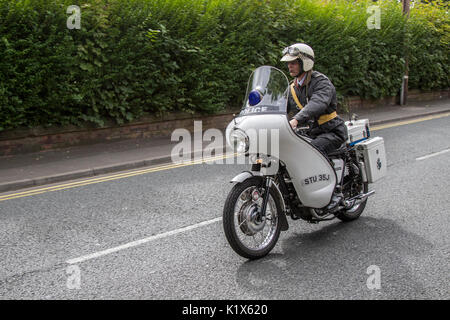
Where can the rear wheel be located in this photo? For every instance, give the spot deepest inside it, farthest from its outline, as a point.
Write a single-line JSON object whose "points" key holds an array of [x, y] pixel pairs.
{"points": [[248, 234], [355, 210], [353, 186]]}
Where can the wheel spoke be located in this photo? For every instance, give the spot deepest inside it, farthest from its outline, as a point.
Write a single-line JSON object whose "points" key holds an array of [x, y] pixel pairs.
{"points": [[254, 240], [263, 237]]}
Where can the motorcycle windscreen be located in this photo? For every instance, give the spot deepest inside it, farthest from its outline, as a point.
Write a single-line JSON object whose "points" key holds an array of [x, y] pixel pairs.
{"points": [[267, 92]]}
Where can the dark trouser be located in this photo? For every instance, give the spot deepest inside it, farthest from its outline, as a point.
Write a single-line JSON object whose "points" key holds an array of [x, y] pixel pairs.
{"points": [[327, 142], [329, 136]]}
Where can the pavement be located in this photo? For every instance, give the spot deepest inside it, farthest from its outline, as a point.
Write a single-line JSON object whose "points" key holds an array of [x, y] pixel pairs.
{"points": [[46, 167]]}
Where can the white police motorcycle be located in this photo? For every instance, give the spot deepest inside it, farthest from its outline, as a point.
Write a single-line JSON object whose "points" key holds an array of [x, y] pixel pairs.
{"points": [[289, 176]]}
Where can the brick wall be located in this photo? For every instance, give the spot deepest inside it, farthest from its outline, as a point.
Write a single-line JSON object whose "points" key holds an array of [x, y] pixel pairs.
{"points": [[24, 141]]}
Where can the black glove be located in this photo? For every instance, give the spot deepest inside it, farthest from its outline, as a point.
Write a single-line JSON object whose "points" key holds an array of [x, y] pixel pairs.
{"points": [[301, 118]]}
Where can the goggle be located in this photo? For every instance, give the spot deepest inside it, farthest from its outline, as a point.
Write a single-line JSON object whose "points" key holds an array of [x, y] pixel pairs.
{"points": [[295, 52]]}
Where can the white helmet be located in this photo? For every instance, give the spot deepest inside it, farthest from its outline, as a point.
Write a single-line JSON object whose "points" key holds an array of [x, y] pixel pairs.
{"points": [[300, 51]]}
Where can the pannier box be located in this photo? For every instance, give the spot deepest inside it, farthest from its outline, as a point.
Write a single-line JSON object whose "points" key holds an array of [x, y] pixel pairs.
{"points": [[372, 153], [357, 130]]}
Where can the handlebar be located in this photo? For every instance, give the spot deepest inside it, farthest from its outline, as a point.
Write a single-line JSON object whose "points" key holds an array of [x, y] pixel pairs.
{"points": [[302, 130]]}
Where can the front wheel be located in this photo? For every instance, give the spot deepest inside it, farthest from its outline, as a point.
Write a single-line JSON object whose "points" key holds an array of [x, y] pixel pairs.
{"points": [[249, 235]]}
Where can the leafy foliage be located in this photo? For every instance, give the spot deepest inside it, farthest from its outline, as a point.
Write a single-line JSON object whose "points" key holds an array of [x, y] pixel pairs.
{"points": [[136, 57]]}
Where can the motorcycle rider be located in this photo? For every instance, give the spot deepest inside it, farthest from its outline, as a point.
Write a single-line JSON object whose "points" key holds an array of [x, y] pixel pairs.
{"points": [[313, 95]]}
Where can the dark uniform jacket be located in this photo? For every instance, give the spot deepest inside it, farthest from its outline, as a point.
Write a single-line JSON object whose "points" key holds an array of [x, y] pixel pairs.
{"points": [[318, 97]]}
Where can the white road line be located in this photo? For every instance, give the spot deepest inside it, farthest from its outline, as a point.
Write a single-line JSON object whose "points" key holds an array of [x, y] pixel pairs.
{"points": [[139, 242], [433, 154]]}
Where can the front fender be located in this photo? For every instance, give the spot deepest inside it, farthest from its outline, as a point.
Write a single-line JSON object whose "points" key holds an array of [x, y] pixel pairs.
{"points": [[241, 177]]}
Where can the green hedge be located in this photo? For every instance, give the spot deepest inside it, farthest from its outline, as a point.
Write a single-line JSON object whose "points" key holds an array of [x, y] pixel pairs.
{"points": [[136, 57]]}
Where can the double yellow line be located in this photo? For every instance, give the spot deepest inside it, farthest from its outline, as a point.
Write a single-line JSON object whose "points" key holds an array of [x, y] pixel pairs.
{"points": [[173, 166], [111, 177], [402, 123]]}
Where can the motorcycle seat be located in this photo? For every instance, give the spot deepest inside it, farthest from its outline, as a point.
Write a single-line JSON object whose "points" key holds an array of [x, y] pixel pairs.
{"points": [[338, 152]]}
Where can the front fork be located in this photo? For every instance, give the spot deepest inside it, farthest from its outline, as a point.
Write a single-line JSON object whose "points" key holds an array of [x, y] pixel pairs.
{"points": [[267, 184]]}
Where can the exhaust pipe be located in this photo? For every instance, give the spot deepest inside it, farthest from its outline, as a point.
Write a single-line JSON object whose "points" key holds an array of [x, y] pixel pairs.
{"points": [[348, 205], [362, 197]]}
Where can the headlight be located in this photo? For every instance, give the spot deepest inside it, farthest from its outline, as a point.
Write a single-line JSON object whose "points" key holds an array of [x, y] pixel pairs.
{"points": [[239, 141]]}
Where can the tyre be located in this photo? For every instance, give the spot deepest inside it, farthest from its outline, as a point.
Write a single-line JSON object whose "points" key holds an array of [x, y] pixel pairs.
{"points": [[249, 235]]}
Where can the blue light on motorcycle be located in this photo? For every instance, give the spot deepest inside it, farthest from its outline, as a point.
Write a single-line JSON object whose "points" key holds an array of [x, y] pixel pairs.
{"points": [[254, 98]]}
